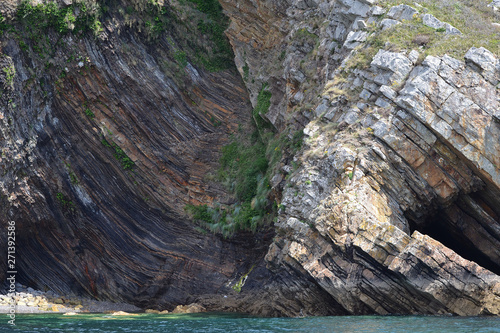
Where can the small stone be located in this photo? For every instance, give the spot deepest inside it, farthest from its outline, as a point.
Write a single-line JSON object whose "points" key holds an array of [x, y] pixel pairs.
{"points": [[359, 24], [70, 314], [151, 311], [191, 308], [451, 30], [320, 109], [330, 113], [123, 313], [365, 94]]}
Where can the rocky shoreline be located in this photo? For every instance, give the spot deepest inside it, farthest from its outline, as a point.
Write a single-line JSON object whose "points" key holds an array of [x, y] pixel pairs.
{"points": [[28, 300]]}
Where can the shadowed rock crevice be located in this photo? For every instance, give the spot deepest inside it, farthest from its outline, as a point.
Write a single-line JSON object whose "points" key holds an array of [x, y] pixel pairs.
{"points": [[467, 229]]}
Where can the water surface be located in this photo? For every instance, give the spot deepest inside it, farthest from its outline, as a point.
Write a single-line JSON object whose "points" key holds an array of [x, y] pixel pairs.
{"points": [[207, 323]]}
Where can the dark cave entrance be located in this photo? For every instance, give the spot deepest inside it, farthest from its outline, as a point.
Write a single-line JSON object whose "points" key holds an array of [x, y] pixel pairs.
{"points": [[459, 230]]}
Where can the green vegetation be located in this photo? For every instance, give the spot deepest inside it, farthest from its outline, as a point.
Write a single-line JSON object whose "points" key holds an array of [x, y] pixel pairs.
{"points": [[472, 17], [37, 19], [72, 176], [246, 72], [304, 36], [89, 113], [119, 154], [157, 21], [210, 7], [282, 55], [262, 107], [243, 171], [246, 165], [3, 25], [181, 58], [87, 110], [263, 100], [10, 73], [68, 207], [241, 282], [34, 25], [213, 26]]}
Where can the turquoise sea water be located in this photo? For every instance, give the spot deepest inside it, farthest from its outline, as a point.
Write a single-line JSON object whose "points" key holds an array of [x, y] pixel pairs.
{"points": [[208, 323]]}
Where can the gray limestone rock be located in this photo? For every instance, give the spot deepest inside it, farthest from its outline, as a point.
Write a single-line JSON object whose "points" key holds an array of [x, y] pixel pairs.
{"points": [[495, 4], [388, 92], [413, 56], [451, 30], [355, 38], [402, 12], [396, 63], [359, 24], [365, 94], [388, 23], [377, 11], [485, 62], [432, 22]]}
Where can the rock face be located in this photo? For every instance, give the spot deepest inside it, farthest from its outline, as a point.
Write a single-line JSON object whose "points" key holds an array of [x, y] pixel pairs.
{"points": [[390, 206], [393, 207], [104, 140]]}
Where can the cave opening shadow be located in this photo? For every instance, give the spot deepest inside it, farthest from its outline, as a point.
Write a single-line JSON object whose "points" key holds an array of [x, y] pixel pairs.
{"points": [[451, 232]]}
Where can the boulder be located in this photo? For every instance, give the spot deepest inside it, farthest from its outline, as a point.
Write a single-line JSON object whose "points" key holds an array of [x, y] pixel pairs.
{"points": [[191, 308], [431, 21], [402, 12], [123, 313]]}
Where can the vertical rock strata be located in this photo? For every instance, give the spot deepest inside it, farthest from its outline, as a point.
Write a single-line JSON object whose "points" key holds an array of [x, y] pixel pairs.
{"points": [[392, 205]]}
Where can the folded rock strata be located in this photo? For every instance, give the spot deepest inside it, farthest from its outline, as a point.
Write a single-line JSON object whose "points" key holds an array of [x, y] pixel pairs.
{"points": [[391, 206]]}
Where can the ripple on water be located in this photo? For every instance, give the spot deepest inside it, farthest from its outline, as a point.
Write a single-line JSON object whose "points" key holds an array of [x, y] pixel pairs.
{"points": [[214, 323]]}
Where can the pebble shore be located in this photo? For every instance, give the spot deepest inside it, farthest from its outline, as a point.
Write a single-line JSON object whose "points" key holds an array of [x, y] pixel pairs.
{"points": [[28, 300]]}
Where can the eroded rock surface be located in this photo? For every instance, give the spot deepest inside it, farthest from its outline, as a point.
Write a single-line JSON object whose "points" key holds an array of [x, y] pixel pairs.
{"points": [[105, 139], [390, 206]]}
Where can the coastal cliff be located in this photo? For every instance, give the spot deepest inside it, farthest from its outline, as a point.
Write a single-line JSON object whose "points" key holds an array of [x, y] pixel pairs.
{"points": [[384, 197], [107, 134]]}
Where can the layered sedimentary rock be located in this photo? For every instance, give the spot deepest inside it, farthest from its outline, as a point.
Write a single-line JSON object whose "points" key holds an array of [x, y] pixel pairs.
{"points": [[103, 144], [393, 207], [390, 206]]}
